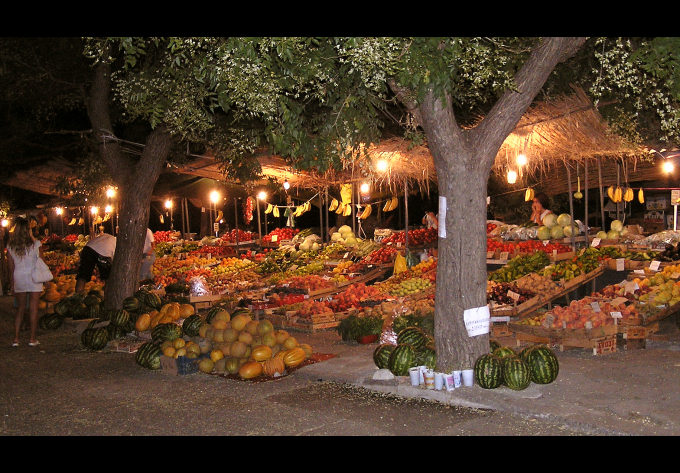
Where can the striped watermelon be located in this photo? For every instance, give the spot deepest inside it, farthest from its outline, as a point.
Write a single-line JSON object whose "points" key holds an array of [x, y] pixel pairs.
{"points": [[426, 356], [493, 344], [149, 356], [543, 364], [381, 355], [489, 371], [131, 304], [516, 373], [412, 336], [115, 332], [167, 331], [402, 358], [50, 321], [120, 317], [94, 338], [504, 352], [191, 325], [525, 351]]}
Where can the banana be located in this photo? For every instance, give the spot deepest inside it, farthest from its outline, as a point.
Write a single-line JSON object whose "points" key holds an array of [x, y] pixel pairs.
{"points": [[386, 207], [618, 194], [529, 195], [641, 196], [628, 194], [610, 193], [367, 211], [395, 203], [334, 205], [340, 209], [98, 220], [275, 212], [73, 220], [161, 218], [348, 210], [81, 221], [269, 209]]}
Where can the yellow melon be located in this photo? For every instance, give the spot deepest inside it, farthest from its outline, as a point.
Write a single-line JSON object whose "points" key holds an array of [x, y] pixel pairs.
{"points": [[261, 353], [216, 355], [219, 324], [185, 310], [246, 338], [230, 335], [169, 351], [143, 322], [218, 336], [178, 343], [251, 327], [239, 322], [206, 365], [250, 370], [290, 343], [180, 352]]}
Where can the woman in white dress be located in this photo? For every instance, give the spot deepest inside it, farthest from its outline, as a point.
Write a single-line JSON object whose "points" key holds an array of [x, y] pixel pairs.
{"points": [[23, 250]]}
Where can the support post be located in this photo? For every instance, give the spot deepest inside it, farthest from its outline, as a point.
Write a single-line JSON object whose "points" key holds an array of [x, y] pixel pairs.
{"points": [[571, 208], [599, 176], [585, 195]]}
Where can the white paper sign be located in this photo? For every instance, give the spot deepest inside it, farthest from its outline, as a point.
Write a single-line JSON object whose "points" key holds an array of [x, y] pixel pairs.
{"points": [[554, 253], [477, 320], [616, 315], [545, 242], [275, 238], [513, 295], [618, 300], [595, 242], [620, 264], [639, 271], [595, 306], [502, 318], [675, 275], [442, 217], [504, 255], [654, 265]]}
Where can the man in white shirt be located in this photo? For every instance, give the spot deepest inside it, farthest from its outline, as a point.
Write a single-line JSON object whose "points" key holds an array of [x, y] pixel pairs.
{"points": [[98, 252]]}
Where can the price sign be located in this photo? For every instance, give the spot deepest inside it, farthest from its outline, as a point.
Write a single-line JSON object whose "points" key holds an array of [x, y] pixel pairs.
{"points": [[548, 320], [589, 325], [545, 242], [639, 271], [275, 238], [554, 253], [398, 244], [675, 275], [595, 242], [513, 295], [216, 227], [489, 255], [504, 255], [595, 306], [654, 265], [620, 264], [616, 315]]}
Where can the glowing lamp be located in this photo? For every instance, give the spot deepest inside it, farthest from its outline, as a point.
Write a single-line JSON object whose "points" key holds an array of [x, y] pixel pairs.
{"points": [[59, 210], [286, 184], [668, 167], [214, 197], [521, 159], [110, 192], [512, 177], [262, 195], [168, 204], [381, 165], [4, 222], [108, 209], [94, 210], [365, 187]]}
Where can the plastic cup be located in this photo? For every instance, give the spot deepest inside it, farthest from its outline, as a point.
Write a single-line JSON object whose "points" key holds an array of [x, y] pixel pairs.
{"points": [[468, 376], [429, 379], [414, 373], [438, 381], [456, 378]]}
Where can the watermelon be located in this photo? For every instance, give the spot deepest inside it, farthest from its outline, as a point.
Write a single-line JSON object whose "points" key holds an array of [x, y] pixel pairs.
{"points": [[120, 317], [214, 310], [62, 308], [149, 299], [412, 336], [191, 325], [381, 355], [93, 311], [50, 321], [167, 331], [543, 364], [504, 352], [493, 344], [525, 351], [516, 373], [94, 338], [91, 300], [401, 359], [115, 332], [149, 356], [79, 311], [426, 356], [131, 304], [488, 371]]}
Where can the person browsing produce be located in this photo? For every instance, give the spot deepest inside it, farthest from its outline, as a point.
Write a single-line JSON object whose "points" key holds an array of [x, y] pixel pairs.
{"points": [[98, 252], [539, 208]]}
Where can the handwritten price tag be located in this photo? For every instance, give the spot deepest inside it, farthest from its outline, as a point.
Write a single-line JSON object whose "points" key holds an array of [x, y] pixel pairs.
{"points": [[554, 253], [654, 265], [620, 264], [595, 306], [639, 271], [595, 242], [489, 255], [513, 295], [504, 255], [616, 315]]}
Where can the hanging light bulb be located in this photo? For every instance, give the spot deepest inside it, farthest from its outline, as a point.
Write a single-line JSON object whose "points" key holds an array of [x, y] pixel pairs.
{"points": [[4, 223], [214, 196], [521, 159], [262, 195], [381, 165], [110, 192], [668, 166], [108, 209], [365, 187], [286, 184], [168, 204], [512, 177], [59, 210], [94, 210]]}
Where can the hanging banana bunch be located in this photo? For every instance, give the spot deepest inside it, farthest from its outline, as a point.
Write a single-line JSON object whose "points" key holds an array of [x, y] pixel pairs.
{"points": [[73, 220], [628, 194], [161, 219], [269, 209], [341, 208], [618, 194], [367, 211], [81, 221], [108, 216], [529, 195], [610, 193], [275, 212], [346, 193], [641, 196], [391, 204], [220, 215], [348, 210], [334, 205]]}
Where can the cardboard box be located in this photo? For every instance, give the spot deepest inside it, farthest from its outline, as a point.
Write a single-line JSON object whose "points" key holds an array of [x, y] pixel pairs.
{"points": [[179, 366]]}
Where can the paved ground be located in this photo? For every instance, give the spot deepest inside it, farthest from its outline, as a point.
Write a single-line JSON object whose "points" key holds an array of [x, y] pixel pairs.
{"points": [[61, 389]]}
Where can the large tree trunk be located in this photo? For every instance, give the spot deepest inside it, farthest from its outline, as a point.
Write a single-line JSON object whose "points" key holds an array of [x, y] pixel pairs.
{"points": [[463, 160], [135, 178]]}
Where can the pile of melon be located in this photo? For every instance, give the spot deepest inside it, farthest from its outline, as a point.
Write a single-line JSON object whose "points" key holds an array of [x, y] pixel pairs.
{"points": [[238, 345], [556, 227]]}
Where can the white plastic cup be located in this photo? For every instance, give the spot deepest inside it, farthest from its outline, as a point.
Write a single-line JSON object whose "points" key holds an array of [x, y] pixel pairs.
{"points": [[468, 376], [414, 373], [429, 379], [421, 370], [439, 381], [456, 378]]}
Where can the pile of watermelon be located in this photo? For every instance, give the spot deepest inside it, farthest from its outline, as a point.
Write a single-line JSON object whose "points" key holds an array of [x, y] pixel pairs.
{"points": [[503, 366], [414, 348]]}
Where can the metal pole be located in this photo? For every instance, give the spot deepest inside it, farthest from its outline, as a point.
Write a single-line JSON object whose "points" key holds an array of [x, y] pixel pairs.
{"points": [[571, 207], [236, 222], [259, 224], [618, 184], [320, 214], [599, 176], [351, 202], [406, 212], [328, 237], [586, 203]]}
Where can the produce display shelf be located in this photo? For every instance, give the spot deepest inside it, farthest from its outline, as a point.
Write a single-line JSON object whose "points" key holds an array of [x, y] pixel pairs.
{"points": [[601, 340]]}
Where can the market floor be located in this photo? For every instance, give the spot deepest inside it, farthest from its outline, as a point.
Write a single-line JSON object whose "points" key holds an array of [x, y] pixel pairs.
{"points": [[61, 389]]}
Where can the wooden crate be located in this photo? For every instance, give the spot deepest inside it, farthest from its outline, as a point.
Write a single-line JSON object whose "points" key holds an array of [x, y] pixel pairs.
{"points": [[500, 329], [311, 327]]}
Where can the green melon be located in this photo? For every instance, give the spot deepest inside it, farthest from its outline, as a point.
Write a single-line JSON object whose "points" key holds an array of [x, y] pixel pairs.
{"points": [[426, 356], [516, 373], [149, 356], [131, 304], [94, 338], [120, 317], [381, 355], [50, 321], [504, 352], [488, 371], [191, 325], [401, 359], [412, 336], [168, 331], [543, 365]]}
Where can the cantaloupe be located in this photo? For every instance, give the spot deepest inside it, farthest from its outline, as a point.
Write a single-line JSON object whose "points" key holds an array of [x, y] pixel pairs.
{"points": [[240, 321], [251, 327], [206, 365], [238, 349], [265, 327]]}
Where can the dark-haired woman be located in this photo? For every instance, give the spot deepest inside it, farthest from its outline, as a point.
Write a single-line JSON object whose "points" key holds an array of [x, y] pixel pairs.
{"points": [[539, 208]]}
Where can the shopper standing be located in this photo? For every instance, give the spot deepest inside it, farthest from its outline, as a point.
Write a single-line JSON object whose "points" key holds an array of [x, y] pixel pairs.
{"points": [[23, 250]]}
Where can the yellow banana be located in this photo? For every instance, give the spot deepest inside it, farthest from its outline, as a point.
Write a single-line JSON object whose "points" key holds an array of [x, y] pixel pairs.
{"points": [[219, 216], [618, 194], [73, 221], [348, 210], [386, 207], [334, 205], [161, 218], [81, 221], [308, 206], [529, 195], [395, 203], [610, 193], [299, 210], [275, 212], [628, 194], [641, 196], [340, 209], [367, 211], [269, 209]]}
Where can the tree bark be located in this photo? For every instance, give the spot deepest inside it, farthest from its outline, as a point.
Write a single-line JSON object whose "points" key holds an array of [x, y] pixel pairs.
{"points": [[135, 179], [463, 160]]}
